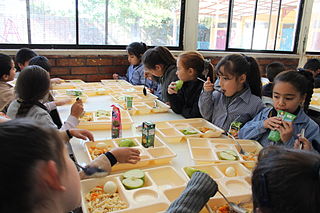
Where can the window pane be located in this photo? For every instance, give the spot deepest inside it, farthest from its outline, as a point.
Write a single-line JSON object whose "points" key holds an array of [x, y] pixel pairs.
{"points": [[52, 23], [314, 28], [242, 24], [155, 22], [212, 26], [287, 25], [266, 25], [13, 19]]}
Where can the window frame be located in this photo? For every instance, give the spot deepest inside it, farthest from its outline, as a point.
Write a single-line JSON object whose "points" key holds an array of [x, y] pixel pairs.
{"points": [[296, 37], [90, 46]]}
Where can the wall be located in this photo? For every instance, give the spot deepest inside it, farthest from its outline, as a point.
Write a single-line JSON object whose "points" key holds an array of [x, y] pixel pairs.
{"points": [[95, 68]]}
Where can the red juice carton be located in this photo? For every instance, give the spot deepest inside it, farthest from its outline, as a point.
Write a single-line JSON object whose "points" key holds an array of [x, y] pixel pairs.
{"points": [[116, 128], [148, 133]]}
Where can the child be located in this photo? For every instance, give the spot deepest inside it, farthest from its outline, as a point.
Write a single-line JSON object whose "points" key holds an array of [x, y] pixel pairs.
{"points": [[31, 97], [292, 93], [272, 71], [239, 98], [135, 72], [43, 62], [37, 173], [313, 65], [7, 73], [161, 65], [23, 57], [281, 178], [191, 65]]}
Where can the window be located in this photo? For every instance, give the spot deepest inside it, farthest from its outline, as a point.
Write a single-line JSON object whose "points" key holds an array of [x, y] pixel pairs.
{"points": [[91, 23], [313, 44], [254, 25]]}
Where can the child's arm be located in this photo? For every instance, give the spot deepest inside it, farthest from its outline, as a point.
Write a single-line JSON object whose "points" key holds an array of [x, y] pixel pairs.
{"points": [[73, 119], [197, 193]]}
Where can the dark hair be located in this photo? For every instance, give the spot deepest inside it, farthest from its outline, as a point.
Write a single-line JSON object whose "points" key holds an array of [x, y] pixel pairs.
{"points": [[301, 80], [237, 65], [41, 61], [195, 60], [312, 64], [24, 143], [158, 55], [283, 177], [274, 69], [5, 65], [23, 55], [33, 84], [137, 49]]}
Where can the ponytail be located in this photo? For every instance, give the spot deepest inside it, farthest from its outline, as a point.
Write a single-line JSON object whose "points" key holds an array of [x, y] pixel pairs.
{"points": [[237, 65], [25, 107], [156, 56], [302, 80]]}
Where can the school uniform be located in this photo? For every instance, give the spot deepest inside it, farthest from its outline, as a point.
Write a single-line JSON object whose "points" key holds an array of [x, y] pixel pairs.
{"points": [[254, 129], [222, 111], [165, 80], [185, 102], [135, 76], [267, 90], [6, 95], [40, 113]]}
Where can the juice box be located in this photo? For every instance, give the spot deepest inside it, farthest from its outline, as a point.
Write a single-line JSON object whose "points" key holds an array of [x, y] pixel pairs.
{"points": [[148, 132], [274, 135], [128, 101], [116, 128], [235, 128]]}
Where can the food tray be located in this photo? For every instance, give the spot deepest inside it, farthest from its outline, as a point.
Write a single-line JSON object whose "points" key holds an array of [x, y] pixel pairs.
{"points": [[93, 89], [114, 89], [116, 82], [61, 94], [147, 107], [170, 131], [137, 97], [238, 185], [68, 84], [315, 100], [155, 196], [91, 121], [205, 150], [159, 154]]}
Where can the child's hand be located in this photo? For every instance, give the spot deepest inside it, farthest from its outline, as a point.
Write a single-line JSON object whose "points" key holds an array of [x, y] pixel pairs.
{"points": [[126, 155], [63, 101], [286, 131], [272, 123], [306, 145], [208, 86], [115, 76], [4, 117], [82, 134], [171, 88], [56, 80], [148, 75], [77, 108]]}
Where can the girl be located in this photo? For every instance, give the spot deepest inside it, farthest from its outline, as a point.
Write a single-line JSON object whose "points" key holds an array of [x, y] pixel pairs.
{"points": [[279, 182], [239, 98], [191, 65], [32, 90], [135, 72], [292, 93], [37, 173], [160, 64], [7, 73]]}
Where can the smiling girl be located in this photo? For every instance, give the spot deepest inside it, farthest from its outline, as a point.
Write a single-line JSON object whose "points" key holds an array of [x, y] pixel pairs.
{"points": [[292, 91], [240, 95]]}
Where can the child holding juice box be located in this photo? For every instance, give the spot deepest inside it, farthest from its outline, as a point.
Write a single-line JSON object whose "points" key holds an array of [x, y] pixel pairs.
{"points": [[292, 92], [135, 72], [31, 97], [240, 95], [190, 66], [160, 64], [7, 73], [47, 179]]}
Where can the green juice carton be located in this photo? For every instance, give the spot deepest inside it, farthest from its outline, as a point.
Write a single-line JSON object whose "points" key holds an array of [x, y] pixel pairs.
{"points": [[148, 134], [274, 135]]}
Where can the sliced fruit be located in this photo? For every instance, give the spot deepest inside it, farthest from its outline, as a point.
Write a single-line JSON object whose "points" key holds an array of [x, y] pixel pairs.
{"points": [[126, 143], [132, 183], [134, 173], [226, 156], [189, 171], [179, 84]]}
